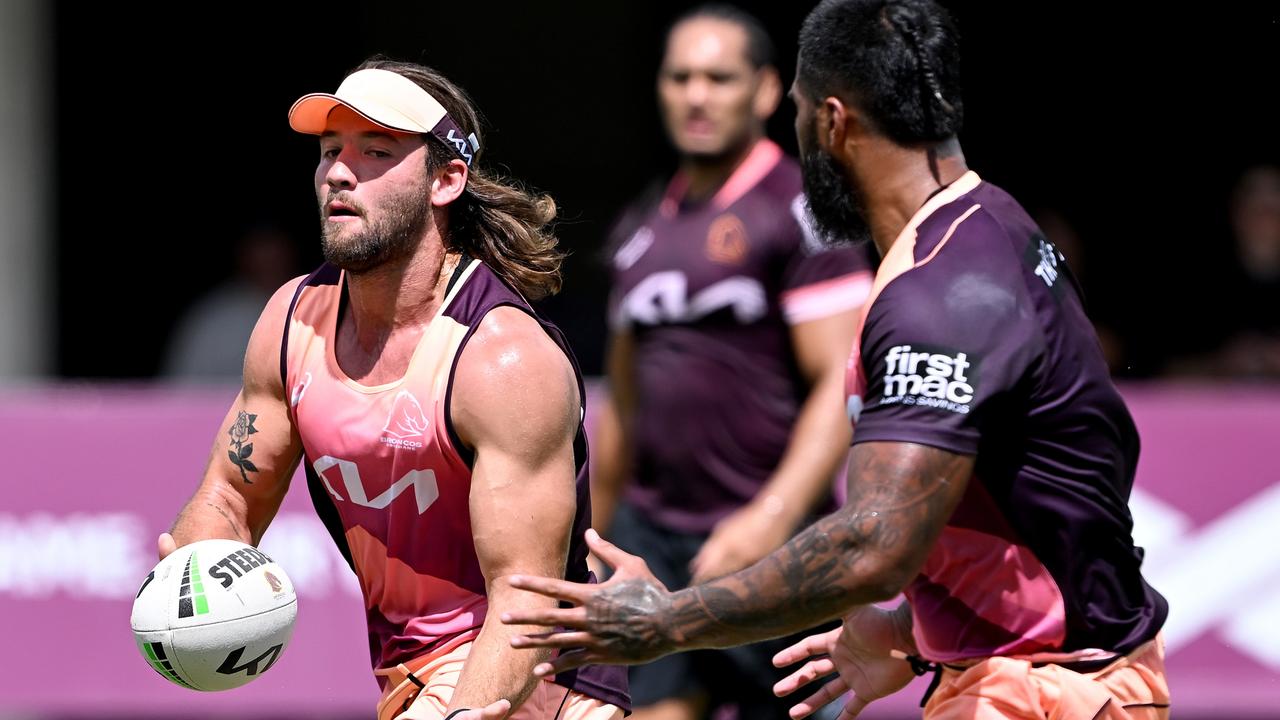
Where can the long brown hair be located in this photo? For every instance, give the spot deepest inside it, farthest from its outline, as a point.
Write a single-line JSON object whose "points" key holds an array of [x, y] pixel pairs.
{"points": [[494, 220]]}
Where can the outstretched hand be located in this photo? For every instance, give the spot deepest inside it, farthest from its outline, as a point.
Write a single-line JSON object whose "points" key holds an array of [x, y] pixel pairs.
{"points": [[619, 622], [868, 653]]}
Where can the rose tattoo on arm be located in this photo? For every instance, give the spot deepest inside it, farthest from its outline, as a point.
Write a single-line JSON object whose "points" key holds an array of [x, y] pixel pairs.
{"points": [[240, 450]]}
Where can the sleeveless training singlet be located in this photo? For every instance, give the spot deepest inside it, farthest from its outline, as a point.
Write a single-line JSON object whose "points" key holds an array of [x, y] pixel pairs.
{"points": [[390, 478]]}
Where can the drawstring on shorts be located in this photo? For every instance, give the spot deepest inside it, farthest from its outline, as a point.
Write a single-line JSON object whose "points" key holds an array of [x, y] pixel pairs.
{"points": [[920, 666]]}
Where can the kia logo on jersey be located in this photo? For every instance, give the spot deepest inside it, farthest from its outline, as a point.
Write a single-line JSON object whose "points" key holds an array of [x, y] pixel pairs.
{"points": [[664, 297]]}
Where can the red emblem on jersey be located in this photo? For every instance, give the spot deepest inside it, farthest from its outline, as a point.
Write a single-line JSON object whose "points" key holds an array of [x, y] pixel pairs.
{"points": [[727, 240]]}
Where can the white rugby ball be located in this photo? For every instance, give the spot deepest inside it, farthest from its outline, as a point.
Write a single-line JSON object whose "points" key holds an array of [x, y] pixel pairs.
{"points": [[214, 615]]}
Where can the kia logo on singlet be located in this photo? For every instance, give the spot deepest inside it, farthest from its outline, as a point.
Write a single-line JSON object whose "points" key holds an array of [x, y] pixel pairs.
{"points": [[663, 297], [422, 482], [406, 424]]}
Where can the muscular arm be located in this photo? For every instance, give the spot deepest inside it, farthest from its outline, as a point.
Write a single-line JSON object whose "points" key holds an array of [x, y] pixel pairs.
{"points": [[516, 403], [255, 450], [818, 443], [612, 448], [901, 495]]}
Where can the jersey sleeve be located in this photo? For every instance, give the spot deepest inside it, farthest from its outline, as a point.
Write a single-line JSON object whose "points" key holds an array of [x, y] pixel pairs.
{"points": [[819, 280], [941, 352]]}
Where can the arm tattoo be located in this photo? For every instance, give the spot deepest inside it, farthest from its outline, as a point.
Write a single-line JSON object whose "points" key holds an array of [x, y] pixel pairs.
{"points": [[239, 531], [901, 496], [630, 616], [240, 450]]}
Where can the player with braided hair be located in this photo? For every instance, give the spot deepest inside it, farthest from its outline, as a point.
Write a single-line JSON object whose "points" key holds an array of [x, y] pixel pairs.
{"points": [[992, 458]]}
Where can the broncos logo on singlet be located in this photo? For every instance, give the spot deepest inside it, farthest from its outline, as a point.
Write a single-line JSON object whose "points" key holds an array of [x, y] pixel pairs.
{"points": [[406, 423]]}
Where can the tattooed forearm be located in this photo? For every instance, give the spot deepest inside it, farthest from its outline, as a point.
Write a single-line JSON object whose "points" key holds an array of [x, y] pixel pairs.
{"points": [[210, 513], [231, 523], [901, 496], [240, 449], [633, 615]]}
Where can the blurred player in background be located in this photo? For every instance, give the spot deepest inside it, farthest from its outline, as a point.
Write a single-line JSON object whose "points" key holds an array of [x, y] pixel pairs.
{"points": [[1245, 302], [731, 326], [207, 344], [992, 459], [439, 418]]}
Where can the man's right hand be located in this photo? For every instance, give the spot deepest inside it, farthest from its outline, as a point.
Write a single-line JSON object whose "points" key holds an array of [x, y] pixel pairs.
{"points": [[165, 545], [867, 651]]}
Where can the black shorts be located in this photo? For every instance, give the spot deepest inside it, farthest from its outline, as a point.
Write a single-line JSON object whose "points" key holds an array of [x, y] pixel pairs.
{"points": [[742, 676]]}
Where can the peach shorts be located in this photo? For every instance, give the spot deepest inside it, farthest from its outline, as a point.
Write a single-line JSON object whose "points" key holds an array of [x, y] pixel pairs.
{"points": [[439, 672], [997, 688]]}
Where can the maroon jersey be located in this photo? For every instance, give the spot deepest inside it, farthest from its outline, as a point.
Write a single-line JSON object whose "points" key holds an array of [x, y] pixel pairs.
{"points": [[976, 342], [709, 291]]}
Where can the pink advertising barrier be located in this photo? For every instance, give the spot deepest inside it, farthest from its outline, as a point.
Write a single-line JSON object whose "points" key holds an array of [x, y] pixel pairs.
{"points": [[93, 474]]}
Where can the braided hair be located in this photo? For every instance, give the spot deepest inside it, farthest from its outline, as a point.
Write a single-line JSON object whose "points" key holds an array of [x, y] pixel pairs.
{"points": [[896, 60]]}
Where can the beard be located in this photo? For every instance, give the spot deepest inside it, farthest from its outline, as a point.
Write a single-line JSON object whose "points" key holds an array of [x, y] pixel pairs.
{"points": [[835, 204], [393, 234]]}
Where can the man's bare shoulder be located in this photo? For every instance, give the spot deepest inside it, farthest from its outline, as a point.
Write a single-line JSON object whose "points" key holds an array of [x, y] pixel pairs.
{"points": [[262, 357], [512, 374]]}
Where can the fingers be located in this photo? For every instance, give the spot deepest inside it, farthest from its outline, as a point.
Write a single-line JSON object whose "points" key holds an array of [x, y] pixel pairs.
{"points": [[574, 618], [565, 662], [713, 560], [559, 589], [818, 644], [702, 565], [607, 551], [700, 576], [165, 544], [597, 567], [554, 640], [827, 693], [493, 711], [811, 671], [852, 708], [625, 565]]}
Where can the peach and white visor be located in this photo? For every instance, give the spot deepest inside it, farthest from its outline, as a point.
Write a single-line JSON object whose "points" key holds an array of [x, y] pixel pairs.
{"points": [[387, 99]]}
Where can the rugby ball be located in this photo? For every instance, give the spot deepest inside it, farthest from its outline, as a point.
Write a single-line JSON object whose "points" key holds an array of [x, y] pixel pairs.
{"points": [[214, 615]]}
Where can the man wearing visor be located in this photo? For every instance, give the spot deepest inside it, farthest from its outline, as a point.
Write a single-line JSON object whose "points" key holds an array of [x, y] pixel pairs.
{"points": [[438, 419]]}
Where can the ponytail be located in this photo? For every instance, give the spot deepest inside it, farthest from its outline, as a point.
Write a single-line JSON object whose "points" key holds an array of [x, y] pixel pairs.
{"points": [[508, 228]]}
